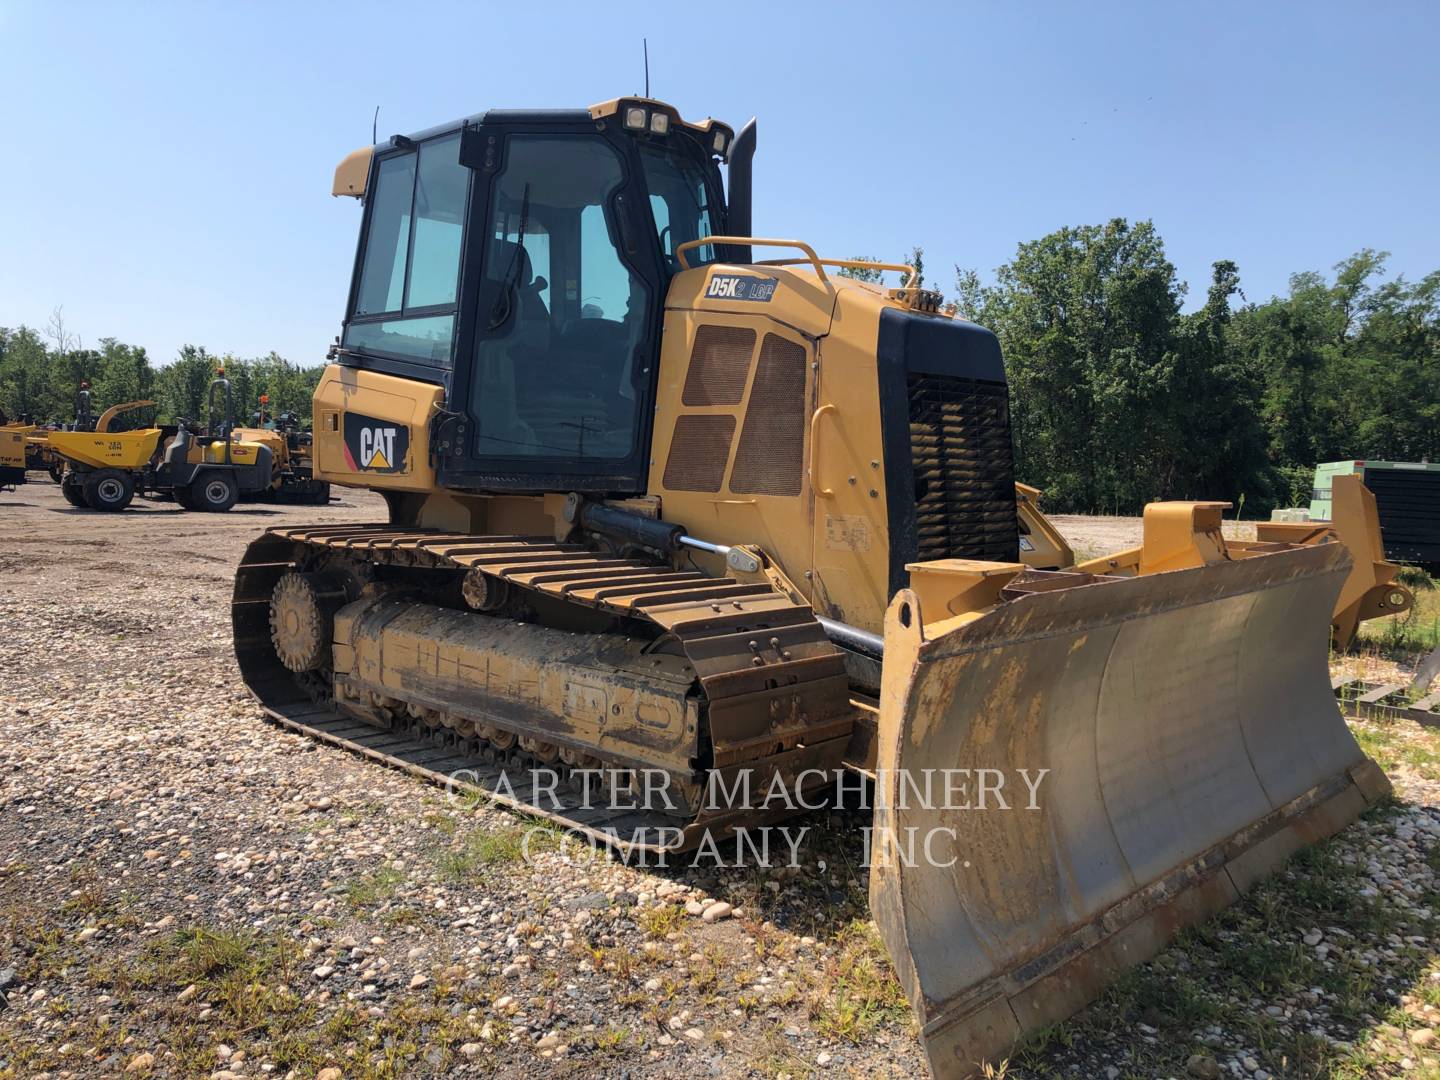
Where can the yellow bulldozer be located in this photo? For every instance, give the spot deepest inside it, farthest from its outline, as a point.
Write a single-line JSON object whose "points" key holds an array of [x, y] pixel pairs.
{"points": [[292, 453], [704, 523]]}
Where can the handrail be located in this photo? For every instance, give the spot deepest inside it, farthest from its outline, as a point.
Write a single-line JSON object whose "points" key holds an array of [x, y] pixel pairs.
{"points": [[810, 256], [855, 264]]}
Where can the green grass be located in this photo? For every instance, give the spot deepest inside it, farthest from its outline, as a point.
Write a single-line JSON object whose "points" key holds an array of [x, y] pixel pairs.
{"points": [[374, 888], [1253, 952], [249, 980], [470, 855], [1396, 743], [662, 919], [612, 1042], [89, 897], [201, 954], [858, 992]]}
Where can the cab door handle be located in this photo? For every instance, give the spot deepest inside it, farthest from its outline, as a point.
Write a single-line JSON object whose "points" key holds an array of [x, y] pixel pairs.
{"points": [[823, 493]]}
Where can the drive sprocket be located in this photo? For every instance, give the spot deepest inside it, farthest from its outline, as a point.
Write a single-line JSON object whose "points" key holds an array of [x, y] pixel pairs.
{"points": [[302, 609]]}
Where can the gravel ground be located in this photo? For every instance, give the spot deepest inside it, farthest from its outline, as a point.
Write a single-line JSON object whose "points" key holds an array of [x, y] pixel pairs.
{"points": [[187, 891]]}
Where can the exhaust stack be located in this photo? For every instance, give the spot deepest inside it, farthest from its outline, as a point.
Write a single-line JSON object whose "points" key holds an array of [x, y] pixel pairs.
{"points": [[741, 159]]}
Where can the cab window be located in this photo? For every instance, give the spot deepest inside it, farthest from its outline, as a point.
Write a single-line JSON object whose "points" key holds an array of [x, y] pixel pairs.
{"points": [[679, 202], [409, 272], [560, 318]]}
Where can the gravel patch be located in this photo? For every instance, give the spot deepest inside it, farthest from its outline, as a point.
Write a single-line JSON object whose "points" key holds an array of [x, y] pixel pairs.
{"points": [[186, 890], [1090, 537]]}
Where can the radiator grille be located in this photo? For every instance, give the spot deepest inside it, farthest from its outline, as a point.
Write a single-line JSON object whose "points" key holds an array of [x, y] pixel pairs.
{"points": [[772, 444], [698, 452], [963, 472], [719, 363]]}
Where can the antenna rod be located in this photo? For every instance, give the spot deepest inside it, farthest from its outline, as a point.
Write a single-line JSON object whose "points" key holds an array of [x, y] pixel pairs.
{"points": [[646, 42], [375, 126]]}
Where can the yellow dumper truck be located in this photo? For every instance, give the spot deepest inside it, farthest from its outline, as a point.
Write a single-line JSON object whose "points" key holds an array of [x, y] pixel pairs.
{"points": [[105, 469]]}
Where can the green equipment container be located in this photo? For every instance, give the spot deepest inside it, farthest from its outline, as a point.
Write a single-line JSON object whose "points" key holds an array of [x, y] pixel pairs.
{"points": [[1407, 495]]}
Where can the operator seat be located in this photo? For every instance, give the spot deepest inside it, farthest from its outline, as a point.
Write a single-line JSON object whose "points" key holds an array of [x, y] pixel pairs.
{"points": [[580, 383], [522, 340], [179, 470]]}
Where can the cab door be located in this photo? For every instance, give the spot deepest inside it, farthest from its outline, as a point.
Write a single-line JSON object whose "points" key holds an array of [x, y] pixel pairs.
{"points": [[555, 371]]}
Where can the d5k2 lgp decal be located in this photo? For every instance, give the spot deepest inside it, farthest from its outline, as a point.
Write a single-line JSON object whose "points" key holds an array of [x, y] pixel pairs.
{"points": [[741, 287]]}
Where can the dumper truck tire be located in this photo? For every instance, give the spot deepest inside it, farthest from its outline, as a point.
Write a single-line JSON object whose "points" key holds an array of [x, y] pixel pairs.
{"points": [[214, 491], [73, 491], [109, 489]]}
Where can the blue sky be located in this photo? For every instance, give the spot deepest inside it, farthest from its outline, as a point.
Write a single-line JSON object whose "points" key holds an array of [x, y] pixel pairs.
{"points": [[166, 169]]}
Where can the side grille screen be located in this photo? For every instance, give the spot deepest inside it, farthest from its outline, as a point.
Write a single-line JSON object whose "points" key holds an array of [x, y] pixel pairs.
{"points": [[772, 444], [698, 453], [719, 363], [964, 478]]}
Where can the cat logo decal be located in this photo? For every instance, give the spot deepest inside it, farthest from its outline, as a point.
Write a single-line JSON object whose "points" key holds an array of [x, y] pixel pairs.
{"points": [[373, 445]]}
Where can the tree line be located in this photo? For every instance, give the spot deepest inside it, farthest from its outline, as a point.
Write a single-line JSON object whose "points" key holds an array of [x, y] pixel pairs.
{"points": [[1118, 397], [41, 375]]}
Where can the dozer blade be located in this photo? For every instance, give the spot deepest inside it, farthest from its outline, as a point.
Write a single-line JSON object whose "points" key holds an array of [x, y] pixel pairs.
{"points": [[1192, 742]]}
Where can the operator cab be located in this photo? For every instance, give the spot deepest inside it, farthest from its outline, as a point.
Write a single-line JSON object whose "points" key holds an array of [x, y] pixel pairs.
{"points": [[520, 259]]}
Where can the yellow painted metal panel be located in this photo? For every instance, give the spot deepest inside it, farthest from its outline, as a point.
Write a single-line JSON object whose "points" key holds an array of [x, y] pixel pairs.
{"points": [[387, 400], [107, 450]]}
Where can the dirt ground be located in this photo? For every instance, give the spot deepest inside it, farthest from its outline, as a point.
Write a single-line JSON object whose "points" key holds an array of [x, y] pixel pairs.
{"points": [[187, 891]]}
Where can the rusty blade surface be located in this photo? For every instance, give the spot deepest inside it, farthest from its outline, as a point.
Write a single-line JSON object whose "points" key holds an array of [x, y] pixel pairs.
{"points": [[1188, 726]]}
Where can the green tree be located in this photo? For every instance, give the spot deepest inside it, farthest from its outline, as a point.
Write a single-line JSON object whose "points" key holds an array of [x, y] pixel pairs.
{"points": [[124, 374], [70, 369], [1397, 371], [180, 386], [26, 374], [289, 386], [916, 258], [1350, 366], [874, 275], [1088, 319], [1217, 446], [969, 300]]}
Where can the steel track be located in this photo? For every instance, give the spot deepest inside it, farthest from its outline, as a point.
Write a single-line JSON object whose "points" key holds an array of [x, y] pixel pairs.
{"points": [[775, 694]]}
